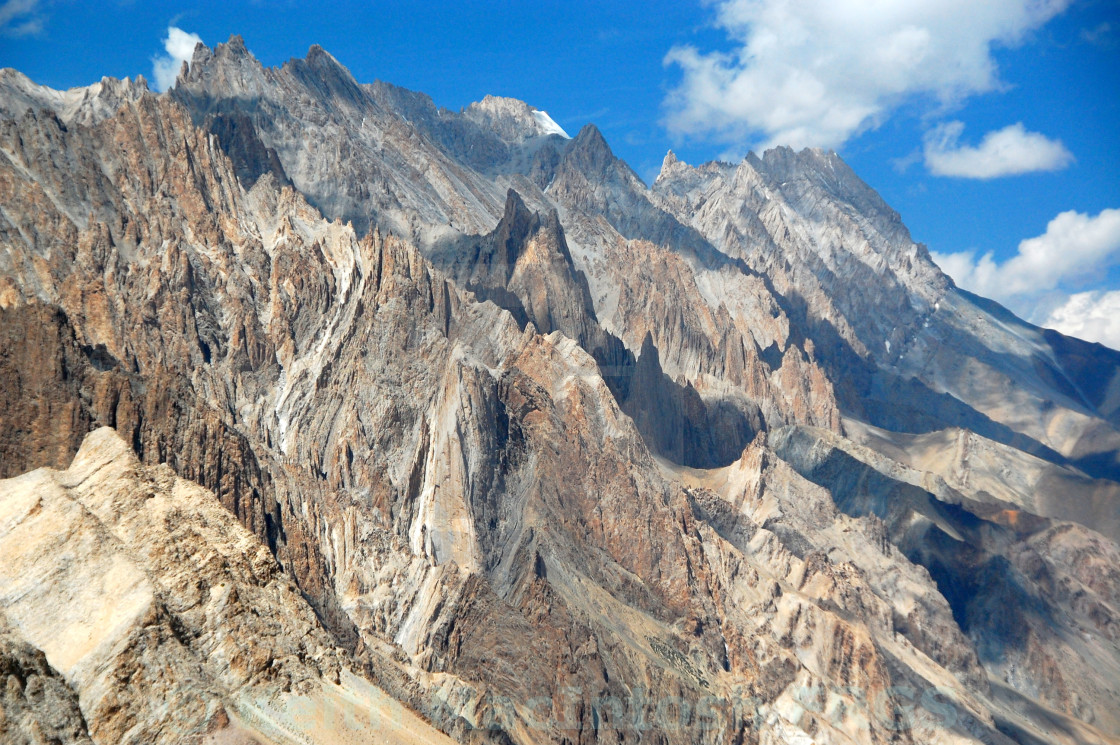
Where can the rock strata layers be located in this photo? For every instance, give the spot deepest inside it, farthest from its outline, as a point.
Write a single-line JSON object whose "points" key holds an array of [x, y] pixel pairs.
{"points": [[137, 609]]}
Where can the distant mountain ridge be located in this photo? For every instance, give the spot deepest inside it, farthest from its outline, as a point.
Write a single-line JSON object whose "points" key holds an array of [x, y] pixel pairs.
{"points": [[544, 453]]}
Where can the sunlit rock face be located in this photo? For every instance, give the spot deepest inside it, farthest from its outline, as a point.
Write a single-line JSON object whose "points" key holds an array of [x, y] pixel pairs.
{"points": [[326, 411]]}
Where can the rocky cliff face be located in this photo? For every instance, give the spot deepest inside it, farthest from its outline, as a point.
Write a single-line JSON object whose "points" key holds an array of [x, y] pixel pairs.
{"points": [[139, 610], [442, 422]]}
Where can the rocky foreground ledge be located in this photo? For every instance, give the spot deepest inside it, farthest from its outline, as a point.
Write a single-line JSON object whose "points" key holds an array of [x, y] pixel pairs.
{"points": [[135, 608]]}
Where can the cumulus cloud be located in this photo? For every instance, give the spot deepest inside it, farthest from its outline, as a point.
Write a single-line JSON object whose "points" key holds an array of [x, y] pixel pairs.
{"points": [[1093, 316], [20, 18], [179, 48], [1006, 152], [817, 72], [1073, 251]]}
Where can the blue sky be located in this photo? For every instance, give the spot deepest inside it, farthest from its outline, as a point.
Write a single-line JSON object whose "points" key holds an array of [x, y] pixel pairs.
{"points": [[993, 127]]}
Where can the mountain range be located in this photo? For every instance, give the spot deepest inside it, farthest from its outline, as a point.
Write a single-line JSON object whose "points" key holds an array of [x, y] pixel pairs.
{"points": [[329, 415]]}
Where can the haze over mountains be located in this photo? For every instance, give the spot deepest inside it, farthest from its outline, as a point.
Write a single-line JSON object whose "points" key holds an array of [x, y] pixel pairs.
{"points": [[328, 412]]}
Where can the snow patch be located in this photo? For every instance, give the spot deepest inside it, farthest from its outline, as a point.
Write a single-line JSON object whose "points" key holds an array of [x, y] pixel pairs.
{"points": [[549, 127]]}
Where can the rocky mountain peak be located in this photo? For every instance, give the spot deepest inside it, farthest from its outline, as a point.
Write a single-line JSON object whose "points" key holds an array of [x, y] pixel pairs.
{"points": [[825, 170], [517, 225], [230, 68], [232, 52], [511, 119], [591, 140], [82, 105], [590, 154], [234, 47], [321, 72], [668, 165], [525, 248], [515, 209], [647, 355], [321, 59]]}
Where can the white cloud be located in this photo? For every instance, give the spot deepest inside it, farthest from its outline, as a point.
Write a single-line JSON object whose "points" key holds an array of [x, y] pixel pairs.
{"points": [[179, 47], [1071, 253], [1093, 316], [20, 18], [1099, 35], [1006, 152], [817, 72]]}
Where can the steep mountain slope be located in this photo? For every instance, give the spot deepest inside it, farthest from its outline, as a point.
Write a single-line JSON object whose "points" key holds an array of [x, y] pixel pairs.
{"points": [[786, 235], [435, 176], [549, 456], [165, 619], [743, 251], [918, 354]]}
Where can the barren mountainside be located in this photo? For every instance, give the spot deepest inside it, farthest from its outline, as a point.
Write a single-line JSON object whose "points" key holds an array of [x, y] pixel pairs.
{"points": [[328, 415]]}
